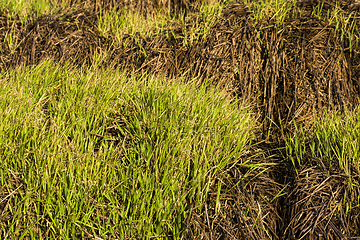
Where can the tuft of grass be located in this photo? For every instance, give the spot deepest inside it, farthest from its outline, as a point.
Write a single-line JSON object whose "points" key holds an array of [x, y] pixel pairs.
{"points": [[27, 9], [196, 27], [277, 10], [334, 138], [332, 142], [98, 154], [118, 24]]}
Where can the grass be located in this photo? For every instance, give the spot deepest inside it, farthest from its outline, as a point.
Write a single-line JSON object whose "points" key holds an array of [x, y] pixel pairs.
{"points": [[270, 9], [28, 9], [111, 156], [118, 24], [334, 138], [122, 23], [24, 8], [332, 143], [99, 154]]}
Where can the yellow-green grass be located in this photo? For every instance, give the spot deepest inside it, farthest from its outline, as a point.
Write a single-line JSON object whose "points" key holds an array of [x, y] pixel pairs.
{"points": [[333, 138], [101, 154], [98, 153], [196, 26], [117, 24], [25, 9]]}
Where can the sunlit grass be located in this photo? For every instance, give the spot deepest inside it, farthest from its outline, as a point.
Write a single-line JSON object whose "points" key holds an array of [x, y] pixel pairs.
{"points": [[333, 138], [118, 24], [276, 10], [90, 153], [197, 27], [122, 23], [111, 156], [25, 9]]}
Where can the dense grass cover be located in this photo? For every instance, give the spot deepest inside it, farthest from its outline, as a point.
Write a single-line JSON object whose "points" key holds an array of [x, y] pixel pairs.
{"points": [[113, 155], [196, 120]]}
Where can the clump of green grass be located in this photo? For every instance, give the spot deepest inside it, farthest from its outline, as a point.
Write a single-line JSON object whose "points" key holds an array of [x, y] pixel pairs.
{"points": [[276, 10], [118, 24], [332, 143], [334, 138], [196, 27], [99, 154], [30, 8], [121, 23], [23, 8]]}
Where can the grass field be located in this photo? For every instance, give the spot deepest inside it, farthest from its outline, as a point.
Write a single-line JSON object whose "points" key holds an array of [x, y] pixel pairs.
{"points": [[94, 153]]}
